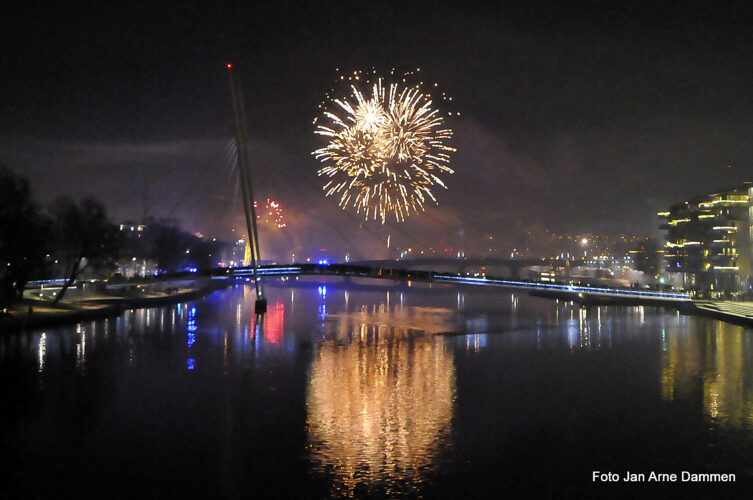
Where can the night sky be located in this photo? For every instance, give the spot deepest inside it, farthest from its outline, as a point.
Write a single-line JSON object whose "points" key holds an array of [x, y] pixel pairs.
{"points": [[583, 117]]}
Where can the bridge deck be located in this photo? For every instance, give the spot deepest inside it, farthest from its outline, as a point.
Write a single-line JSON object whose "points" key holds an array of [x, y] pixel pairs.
{"points": [[583, 294]]}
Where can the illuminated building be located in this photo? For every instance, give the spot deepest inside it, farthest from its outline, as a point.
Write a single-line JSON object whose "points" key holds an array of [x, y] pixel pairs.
{"points": [[131, 226], [131, 265], [708, 240]]}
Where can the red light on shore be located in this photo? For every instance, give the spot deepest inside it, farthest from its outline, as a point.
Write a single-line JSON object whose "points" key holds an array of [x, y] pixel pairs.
{"points": [[229, 66]]}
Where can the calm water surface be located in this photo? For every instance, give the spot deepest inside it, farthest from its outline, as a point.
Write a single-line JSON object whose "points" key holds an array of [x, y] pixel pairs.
{"points": [[346, 390]]}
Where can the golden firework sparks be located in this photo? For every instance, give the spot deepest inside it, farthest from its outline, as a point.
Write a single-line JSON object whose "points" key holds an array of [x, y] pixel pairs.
{"points": [[388, 146]]}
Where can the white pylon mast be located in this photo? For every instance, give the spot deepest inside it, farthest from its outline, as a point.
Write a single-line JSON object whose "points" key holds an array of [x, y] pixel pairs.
{"points": [[241, 138]]}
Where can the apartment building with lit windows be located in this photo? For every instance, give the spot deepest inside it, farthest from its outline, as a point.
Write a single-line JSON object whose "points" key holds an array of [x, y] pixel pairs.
{"points": [[708, 240]]}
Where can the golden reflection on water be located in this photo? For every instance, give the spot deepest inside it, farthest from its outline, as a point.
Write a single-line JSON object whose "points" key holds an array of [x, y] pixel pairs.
{"points": [[720, 360], [380, 398]]}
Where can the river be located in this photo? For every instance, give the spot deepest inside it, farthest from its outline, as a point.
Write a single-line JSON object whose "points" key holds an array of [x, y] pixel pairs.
{"points": [[355, 390]]}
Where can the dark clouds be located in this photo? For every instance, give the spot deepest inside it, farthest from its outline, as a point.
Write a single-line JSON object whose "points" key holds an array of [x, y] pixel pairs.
{"points": [[580, 117]]}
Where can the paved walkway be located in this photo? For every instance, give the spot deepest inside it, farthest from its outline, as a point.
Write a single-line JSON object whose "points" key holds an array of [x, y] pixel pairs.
{"points": [[727, 309]]}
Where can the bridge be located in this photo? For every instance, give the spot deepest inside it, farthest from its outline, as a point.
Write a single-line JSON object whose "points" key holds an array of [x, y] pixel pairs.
{"points": [[463, 264], [577, 293], [583, 294]]}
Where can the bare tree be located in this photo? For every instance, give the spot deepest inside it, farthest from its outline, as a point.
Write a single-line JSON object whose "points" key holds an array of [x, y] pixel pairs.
{"points": [[85, 238]]}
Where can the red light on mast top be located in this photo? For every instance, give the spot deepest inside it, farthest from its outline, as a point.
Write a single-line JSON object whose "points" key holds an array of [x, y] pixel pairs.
{"points": [[229, 66]]}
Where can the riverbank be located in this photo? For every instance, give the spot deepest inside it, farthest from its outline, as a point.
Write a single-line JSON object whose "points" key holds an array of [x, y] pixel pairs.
{"points": [[31, 314]]}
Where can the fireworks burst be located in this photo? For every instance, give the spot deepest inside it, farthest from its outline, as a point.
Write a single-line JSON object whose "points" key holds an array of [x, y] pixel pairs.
{"points": [[387, 147], [272, 214]]}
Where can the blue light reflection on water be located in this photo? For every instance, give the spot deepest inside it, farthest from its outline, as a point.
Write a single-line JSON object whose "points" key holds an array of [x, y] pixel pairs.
{"points": [[191, 326], [322, 309], [322, 312]]}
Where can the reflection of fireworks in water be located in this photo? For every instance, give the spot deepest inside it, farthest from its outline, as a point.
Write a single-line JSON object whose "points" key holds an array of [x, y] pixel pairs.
{"points": [[387, 145], [380, 399]]}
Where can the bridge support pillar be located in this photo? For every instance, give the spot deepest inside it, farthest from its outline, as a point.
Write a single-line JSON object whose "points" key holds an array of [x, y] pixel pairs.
{"points": [[260, 307]]}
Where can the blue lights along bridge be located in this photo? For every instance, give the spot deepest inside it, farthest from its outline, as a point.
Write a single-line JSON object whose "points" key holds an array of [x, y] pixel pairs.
{"points": [[577, 293]]}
